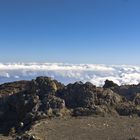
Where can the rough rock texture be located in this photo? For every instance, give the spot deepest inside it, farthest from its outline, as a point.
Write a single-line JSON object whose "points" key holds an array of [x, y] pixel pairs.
{"points": [[26, 137], [107, 97], [14, 87], [136, 99], [128, 91], [24, 102], [127, 109], [78, 95], [109, 84], [29, 104]]}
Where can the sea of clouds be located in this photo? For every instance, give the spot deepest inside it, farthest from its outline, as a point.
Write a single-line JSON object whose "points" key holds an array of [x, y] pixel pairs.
{"points": [[66, 73]]}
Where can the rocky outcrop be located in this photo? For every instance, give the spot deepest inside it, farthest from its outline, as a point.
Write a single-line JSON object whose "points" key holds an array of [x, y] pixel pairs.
{"points": [[107, 97], [127, 109], [12, 88], [78, 95], [127, 91], [109, 84], [136, 99], [29, 104], [24, 102]]}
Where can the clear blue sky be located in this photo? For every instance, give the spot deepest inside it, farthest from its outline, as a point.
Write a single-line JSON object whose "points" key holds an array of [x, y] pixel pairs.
{"points": [[73, 31]]}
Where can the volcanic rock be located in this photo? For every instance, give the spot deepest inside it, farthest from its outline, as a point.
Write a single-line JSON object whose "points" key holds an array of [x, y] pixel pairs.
{"points": [[109, 84], [24, 102], [78, 95]]}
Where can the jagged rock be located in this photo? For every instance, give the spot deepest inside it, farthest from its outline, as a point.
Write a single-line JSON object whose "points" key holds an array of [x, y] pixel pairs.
{"points": [[137, 99], [78, 95], [109, 84], [52, 102], [22, 103], [28, 105], [18, 105], [128, 91], [127, 109], [13, 87], [107, 97], [44, 86], [29, 118]]}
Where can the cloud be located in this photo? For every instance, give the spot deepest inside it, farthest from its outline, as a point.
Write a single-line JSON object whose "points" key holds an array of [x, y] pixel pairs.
{"points": [[67, 73]]}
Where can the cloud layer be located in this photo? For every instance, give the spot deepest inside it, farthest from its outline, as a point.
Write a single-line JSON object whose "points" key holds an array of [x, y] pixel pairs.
{"points": [[66, 73]]}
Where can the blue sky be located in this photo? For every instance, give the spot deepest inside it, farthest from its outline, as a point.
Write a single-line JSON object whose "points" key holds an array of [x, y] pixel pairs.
{"points": [[73, 31]]}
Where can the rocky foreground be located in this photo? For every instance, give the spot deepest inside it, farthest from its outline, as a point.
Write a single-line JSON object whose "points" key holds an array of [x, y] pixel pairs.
{"points": [[25, 104]]}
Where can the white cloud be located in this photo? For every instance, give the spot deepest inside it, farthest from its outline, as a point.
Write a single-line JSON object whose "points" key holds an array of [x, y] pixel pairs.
{"points": [[67, 73]]}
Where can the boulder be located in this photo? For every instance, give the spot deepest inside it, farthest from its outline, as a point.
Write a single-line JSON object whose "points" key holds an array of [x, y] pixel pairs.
{"points": [[78, 95], [52, 102], [18, 105], [107, 97], [127, 91], [109, 84], [127, 109], [44, 86], [136, 99], [44, 97]]}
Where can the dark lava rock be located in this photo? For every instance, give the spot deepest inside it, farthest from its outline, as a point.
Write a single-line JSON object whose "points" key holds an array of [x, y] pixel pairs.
{"points": [[127, 109], [107, 97], [127, 91], [109, 84], [78, 95], [44, 86], [29, 103], [26, 137], [18, 105], [24, 102], [52, 102], [136, 99], [13, 87]]}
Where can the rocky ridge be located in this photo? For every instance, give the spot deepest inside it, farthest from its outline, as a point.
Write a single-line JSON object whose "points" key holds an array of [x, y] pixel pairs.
{"points": [[24, 102]]}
